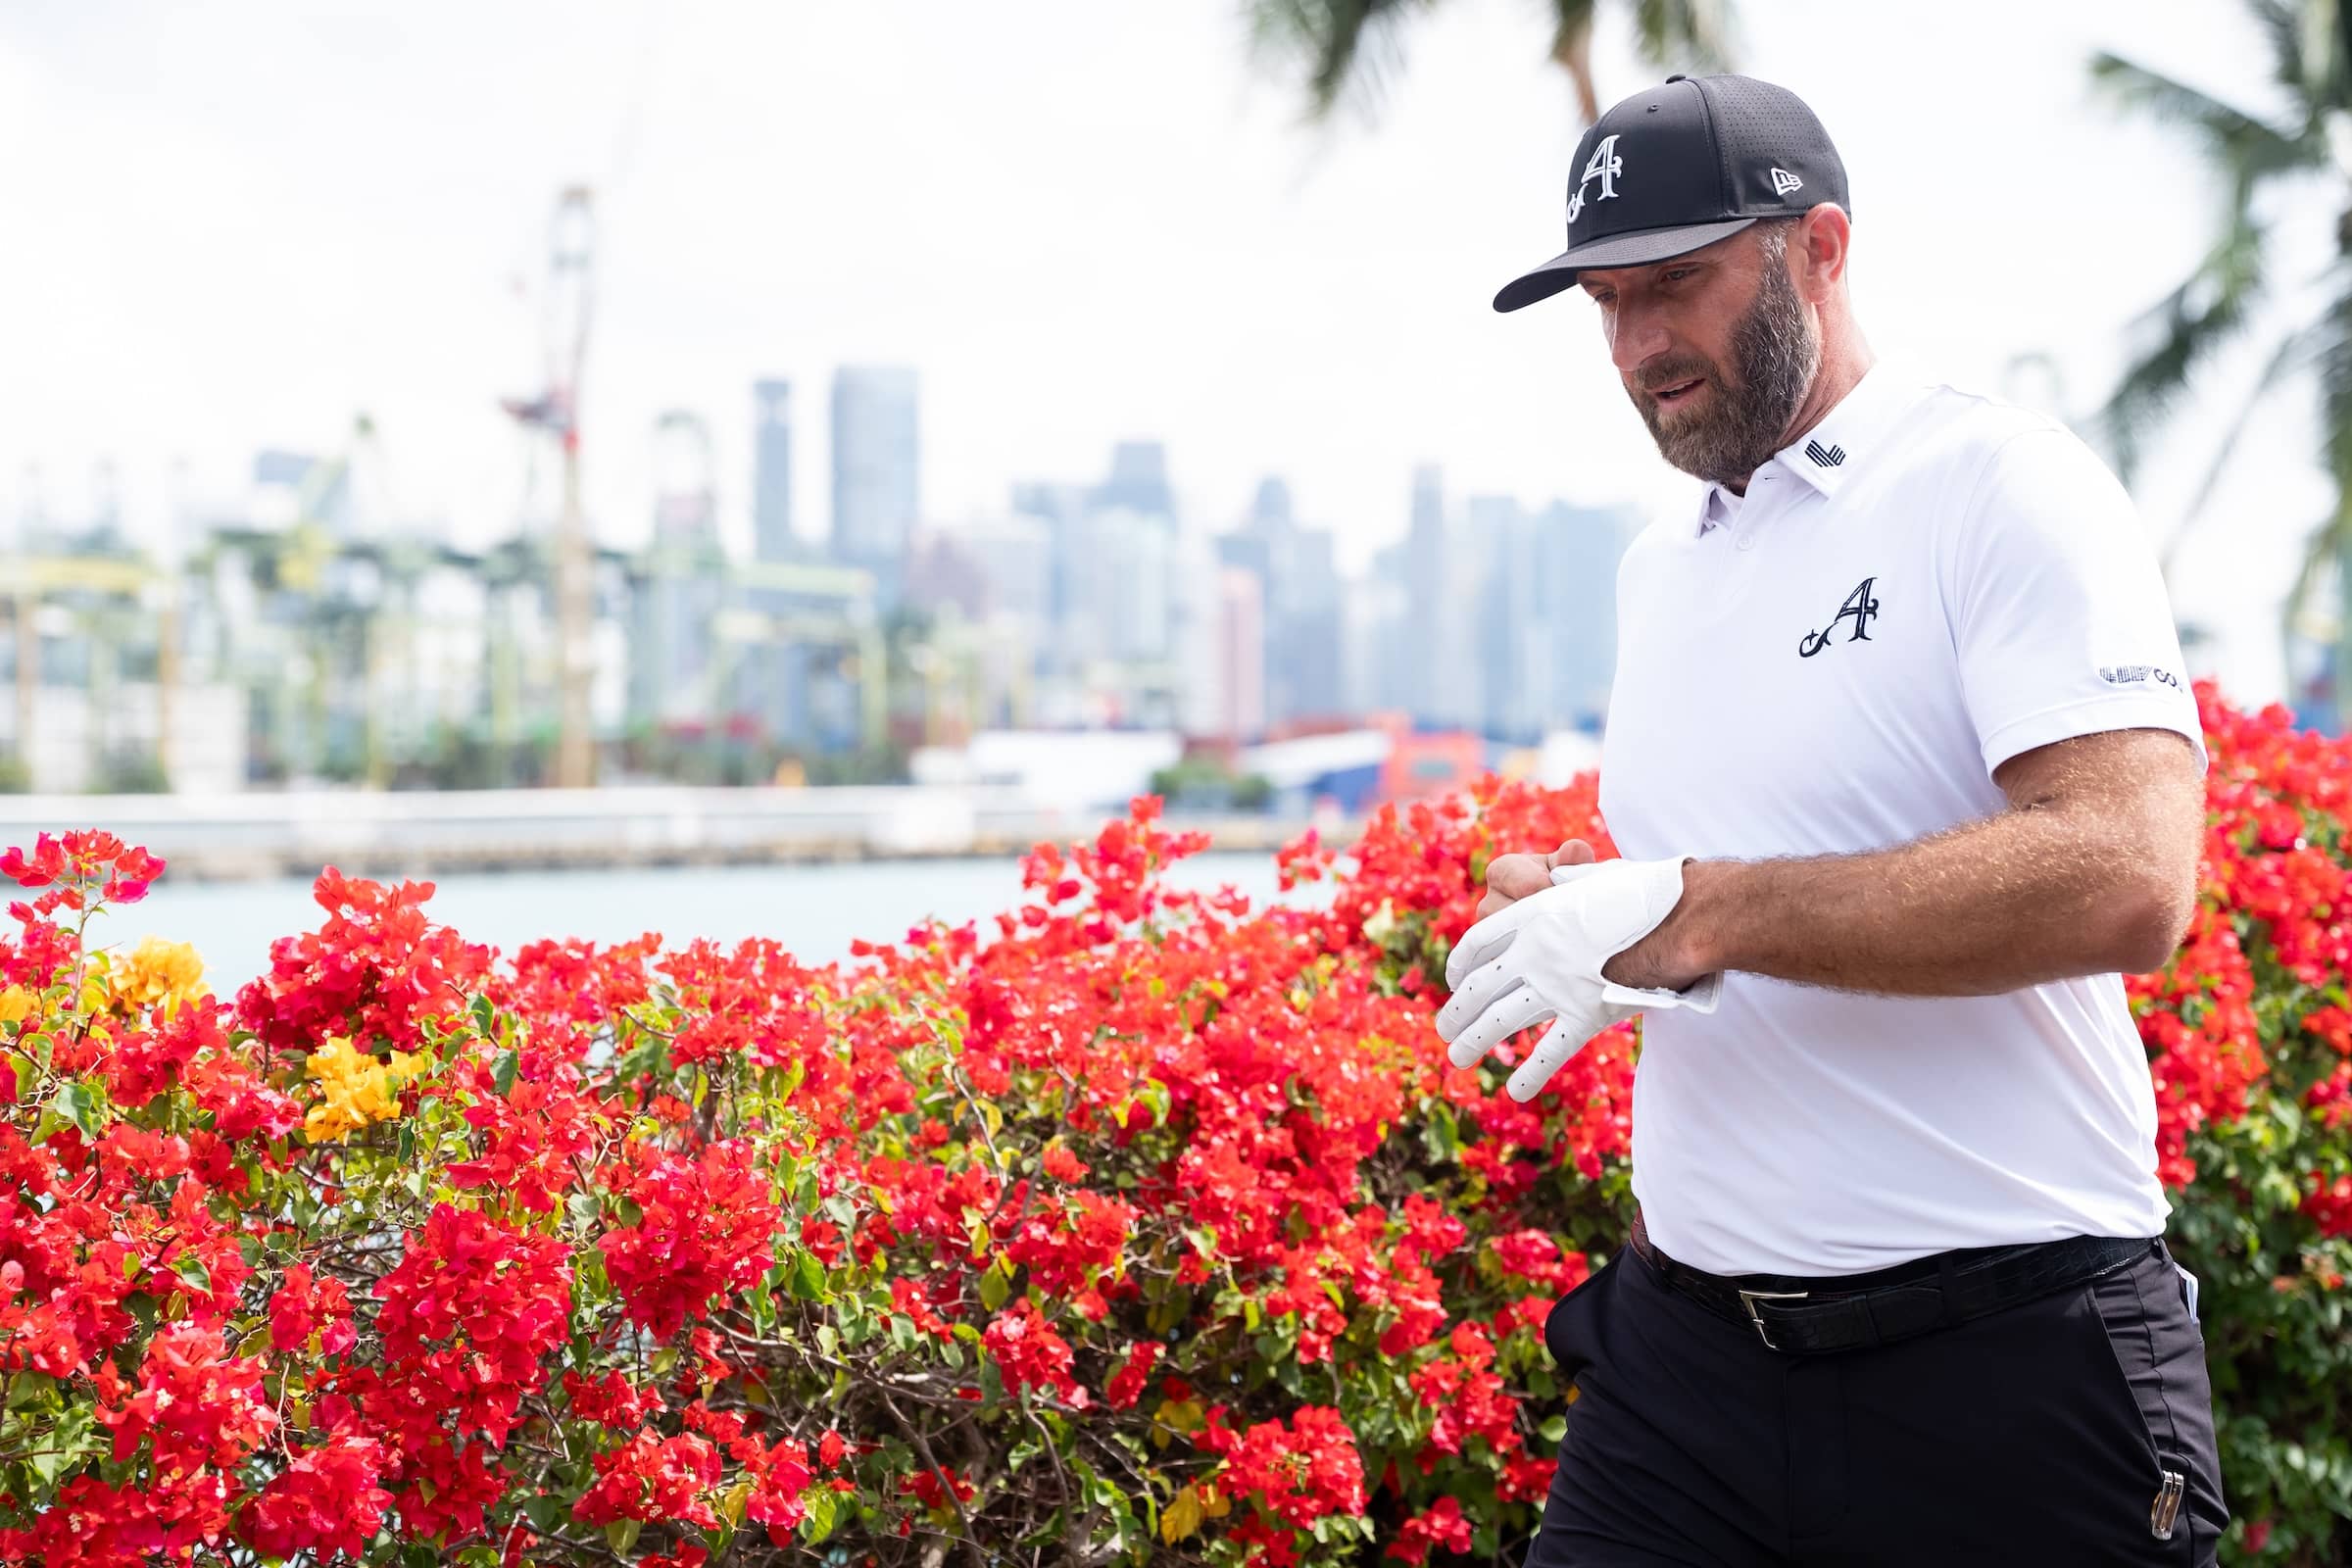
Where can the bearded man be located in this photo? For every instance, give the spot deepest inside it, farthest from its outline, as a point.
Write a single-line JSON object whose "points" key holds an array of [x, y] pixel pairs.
{"points": [[1905, 772]]}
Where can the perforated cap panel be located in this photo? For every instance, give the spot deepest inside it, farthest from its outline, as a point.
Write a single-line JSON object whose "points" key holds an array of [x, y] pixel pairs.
{"points": [[1761, 127]]}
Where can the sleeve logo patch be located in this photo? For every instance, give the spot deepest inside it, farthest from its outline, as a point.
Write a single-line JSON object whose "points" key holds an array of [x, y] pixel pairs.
{"points": [[2137, 675]]}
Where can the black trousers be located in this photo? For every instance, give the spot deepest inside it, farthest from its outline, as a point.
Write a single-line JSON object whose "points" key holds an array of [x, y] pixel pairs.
{"points": [[2034, 1435]]}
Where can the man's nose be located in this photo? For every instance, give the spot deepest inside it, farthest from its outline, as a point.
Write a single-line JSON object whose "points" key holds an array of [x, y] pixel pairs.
{"points": [[1636, 337]]}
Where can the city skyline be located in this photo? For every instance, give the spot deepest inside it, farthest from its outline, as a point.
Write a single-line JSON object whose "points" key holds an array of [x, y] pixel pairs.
{"points": [[1197, 269]]}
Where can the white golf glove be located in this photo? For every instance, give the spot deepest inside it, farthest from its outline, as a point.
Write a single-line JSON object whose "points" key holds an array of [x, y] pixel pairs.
{"points": [[1542, 957]]}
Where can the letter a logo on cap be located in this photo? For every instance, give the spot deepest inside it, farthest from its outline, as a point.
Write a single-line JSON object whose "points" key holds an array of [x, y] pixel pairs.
{"points": [[1606, 166], [1782, 181]]}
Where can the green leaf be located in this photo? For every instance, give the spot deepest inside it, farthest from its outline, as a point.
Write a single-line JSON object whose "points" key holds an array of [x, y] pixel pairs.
{"points": [[621, 1534], [191, 1269], [807, 1278], [825, 1511], [502, 1075], [994, 1287], [481, 1013], [77, 1104], [27, 1385], [65, 1444], [545, 1511]]}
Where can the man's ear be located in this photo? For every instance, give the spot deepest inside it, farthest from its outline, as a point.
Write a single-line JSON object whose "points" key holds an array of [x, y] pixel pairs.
{"points": [[1822, 238]]}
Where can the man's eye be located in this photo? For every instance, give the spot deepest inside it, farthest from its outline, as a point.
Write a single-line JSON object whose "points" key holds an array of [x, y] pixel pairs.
{"points": [[1675, 275]]}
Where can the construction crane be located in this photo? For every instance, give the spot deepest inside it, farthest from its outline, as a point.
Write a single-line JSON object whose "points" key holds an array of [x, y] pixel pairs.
{"points": [[571, 243]]}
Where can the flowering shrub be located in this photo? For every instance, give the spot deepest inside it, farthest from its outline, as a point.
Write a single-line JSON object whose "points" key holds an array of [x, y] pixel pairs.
{"points": [[1152, 1229]]}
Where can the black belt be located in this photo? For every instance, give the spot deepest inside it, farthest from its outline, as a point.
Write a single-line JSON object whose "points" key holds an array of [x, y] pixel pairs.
{"points": [[1843, 1313]]}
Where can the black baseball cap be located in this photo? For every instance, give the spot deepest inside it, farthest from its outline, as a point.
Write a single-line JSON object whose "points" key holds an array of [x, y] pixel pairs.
{"points": [[1684, 164]]}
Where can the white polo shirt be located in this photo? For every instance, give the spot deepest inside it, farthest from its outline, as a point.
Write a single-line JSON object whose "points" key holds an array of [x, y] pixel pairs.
{"points": [[1926, 584]]}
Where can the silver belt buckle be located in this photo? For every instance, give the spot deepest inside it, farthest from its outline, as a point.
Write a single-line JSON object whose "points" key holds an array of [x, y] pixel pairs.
{"points": [[1749, 1299]]}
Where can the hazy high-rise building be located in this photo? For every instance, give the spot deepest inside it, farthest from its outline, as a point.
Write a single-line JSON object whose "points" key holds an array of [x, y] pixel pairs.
{"points": [[1058, 509], [1301, 606], [1272, 507], [877, 495], [1440, 606], [1138, 482], [1547, 614], [1579, 550], [771, 470], [1378, 657], [1016, 559], [685, 498], [1514, 676], [1240, 709]]}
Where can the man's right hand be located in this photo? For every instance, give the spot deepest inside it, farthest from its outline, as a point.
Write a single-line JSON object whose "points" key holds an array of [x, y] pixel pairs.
{"points": [[1512, 877]]}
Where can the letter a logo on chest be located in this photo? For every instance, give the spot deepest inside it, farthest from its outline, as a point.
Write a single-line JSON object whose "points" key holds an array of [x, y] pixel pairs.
{"points": [[1861, 604]]}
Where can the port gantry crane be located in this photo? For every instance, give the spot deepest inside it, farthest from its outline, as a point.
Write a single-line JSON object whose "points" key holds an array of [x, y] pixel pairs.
{"points": [[571, 244]]}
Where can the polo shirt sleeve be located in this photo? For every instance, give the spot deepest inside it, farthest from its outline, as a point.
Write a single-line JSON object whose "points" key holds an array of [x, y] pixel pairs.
{"points": [[2060, 618]]}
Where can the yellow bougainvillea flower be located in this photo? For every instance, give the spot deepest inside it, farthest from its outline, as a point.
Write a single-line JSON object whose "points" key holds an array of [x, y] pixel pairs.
{"points": [[15, 1003], [358, 1089], [162, 971]]}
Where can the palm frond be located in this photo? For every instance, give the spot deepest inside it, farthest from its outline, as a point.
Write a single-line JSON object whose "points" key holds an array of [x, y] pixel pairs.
{"points": [[2247, 148], [2325, 554], [1692, 32], [2311, 48], [2293, 353], [1572, 52], [2334, 357], [2180, 332], [2330, 544], [1330, 37]]}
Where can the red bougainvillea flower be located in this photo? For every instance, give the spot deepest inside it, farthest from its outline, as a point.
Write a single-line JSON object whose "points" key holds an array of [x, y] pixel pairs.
{"points": [[327, 1500], [646, 1249]]}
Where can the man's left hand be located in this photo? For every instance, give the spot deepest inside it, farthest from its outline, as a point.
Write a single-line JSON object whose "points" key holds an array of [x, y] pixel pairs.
{"points": [[1543, 957]]}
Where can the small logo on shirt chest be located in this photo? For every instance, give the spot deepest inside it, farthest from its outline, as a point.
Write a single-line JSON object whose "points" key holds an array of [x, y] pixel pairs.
{"points": [[1861, 604]]}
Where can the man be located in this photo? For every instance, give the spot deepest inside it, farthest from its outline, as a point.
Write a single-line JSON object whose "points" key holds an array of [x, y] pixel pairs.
{"points": [[1906, 774]]}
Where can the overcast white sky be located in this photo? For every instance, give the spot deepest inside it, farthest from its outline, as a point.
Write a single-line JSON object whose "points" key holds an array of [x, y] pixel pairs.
{"points": [[231, 226]]}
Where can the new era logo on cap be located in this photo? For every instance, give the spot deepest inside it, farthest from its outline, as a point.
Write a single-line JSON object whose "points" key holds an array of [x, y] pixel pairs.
{"points": [[1827, 457], [1782, 181]]}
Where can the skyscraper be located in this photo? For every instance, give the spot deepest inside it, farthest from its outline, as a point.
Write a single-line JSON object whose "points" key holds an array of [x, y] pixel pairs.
{"points": [[1301, 606], [1139, 481], [1577, 564], [771, 470], [876, 489], [1444, 678], [1547, 614], [1240, 709]]}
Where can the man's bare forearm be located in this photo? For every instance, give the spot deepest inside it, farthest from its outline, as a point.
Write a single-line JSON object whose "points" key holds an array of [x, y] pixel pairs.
{"points": [[1992, 906]]}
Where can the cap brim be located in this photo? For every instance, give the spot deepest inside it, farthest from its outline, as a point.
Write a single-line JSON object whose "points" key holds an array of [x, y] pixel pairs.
{"points": [[1637, 249]]}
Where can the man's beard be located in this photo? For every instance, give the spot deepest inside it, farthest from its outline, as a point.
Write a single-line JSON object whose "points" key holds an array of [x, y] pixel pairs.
{"points": [[1775, 351]]}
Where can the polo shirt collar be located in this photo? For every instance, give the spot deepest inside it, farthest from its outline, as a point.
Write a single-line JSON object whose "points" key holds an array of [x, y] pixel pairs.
{"points": [[1849, 435]]}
